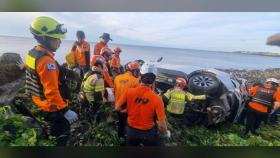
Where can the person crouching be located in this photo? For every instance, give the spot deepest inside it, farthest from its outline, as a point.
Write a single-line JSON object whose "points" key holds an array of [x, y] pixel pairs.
{"points": [[176, 98], [92, 90]]}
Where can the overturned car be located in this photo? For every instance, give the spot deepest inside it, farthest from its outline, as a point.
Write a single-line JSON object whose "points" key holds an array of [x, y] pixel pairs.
{"points": [[227, 94]]}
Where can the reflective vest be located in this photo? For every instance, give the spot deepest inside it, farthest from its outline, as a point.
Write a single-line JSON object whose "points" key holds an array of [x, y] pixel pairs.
{"points": [[90, 86], [264, 96], [33, 85], [177, 98], [176, 103]]}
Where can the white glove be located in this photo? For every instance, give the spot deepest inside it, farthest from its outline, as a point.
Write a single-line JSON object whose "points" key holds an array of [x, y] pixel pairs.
{"points": [[168, 134], [71, 116]]}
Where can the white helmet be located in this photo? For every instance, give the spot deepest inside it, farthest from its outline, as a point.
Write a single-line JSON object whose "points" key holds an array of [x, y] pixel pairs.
{"points": [[274, 80], [148, 68]]}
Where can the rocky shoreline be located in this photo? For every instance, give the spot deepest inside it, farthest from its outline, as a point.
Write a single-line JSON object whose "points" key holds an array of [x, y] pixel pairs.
{"points": [[255, 75]]}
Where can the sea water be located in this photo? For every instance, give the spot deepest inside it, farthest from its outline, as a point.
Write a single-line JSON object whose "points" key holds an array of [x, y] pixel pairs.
{"points": [[173, 58]]}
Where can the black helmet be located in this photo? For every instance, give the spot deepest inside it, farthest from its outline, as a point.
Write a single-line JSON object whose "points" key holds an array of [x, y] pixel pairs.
{"points": [[81, 34], [148, 78], [98, 62]]}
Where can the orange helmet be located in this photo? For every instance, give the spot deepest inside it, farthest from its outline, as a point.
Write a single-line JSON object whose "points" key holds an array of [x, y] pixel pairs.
{"points": [[117, 50], [133, 66], [181, 82], [106, 50]]}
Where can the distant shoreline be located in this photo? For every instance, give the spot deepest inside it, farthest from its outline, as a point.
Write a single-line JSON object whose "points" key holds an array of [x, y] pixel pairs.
{"points": [[237, 52], [258, 53]]}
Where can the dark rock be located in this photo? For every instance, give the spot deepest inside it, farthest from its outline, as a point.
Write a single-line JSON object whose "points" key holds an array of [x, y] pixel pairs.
{"points": [[8, 70]]}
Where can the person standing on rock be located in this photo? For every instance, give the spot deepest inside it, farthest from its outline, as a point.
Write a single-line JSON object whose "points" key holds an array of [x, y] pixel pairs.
{"points": [[264, 98], [104, 39], [44, 81]]}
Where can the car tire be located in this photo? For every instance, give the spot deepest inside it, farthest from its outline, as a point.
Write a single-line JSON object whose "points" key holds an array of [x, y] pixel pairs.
{"points": [[204, 83]]}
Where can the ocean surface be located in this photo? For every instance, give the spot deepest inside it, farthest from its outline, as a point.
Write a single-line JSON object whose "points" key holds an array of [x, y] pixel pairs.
{"points": [[173, 58]]}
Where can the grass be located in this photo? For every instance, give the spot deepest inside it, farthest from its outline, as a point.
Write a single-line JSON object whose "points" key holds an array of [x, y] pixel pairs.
{"points": [[15, 132]]}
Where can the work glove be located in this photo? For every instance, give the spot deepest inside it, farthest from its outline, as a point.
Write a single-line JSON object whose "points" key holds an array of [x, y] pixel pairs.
{"points": [[168, 134], [71, 116]]}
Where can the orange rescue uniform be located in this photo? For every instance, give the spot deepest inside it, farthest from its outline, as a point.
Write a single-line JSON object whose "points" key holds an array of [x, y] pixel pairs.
{"points": [[122, 83], [50, 82], [259, 107], [142, 106], [79, 53], [115, 62], [98, 47]]}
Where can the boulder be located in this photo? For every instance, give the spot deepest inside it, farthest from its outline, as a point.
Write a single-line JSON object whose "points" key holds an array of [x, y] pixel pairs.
{"points": [[9, 72]]}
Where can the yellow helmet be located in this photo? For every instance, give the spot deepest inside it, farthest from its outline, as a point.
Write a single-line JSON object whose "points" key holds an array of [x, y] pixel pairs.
{"points": [[46, 26]]}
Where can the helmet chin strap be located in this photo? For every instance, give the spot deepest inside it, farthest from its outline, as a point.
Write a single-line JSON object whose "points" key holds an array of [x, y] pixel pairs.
{"points": [[45, 42]]}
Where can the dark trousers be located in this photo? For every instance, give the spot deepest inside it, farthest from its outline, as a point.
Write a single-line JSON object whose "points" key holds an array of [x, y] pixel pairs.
{"points": [[59, 127], [254, 119], [122, 124], [181, 120], [89, 110], [273, 118], [136, 137]]}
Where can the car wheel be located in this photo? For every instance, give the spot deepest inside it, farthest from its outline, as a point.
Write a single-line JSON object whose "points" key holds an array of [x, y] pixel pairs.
{"points": [[204, 83]]}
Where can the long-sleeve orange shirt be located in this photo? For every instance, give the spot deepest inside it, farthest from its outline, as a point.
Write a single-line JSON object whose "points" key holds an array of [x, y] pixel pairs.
{"points": [[98, 47], [115, 62], [82, 53], [49, 79]]}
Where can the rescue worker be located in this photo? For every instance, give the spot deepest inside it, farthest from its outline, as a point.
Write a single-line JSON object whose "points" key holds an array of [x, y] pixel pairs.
{"points": [[81, 50], [44, 78], [176, 98], [146, 115], [115, 62], [106, 53], [104, 39], [122, 82], [273, 116], [91, 95], [264, 98]]}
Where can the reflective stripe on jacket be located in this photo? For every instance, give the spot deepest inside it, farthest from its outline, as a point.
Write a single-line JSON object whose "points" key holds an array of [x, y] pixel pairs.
{"points": [[33, 85], [177, 98], [93, 83], [264, 96], [42, 70]]}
